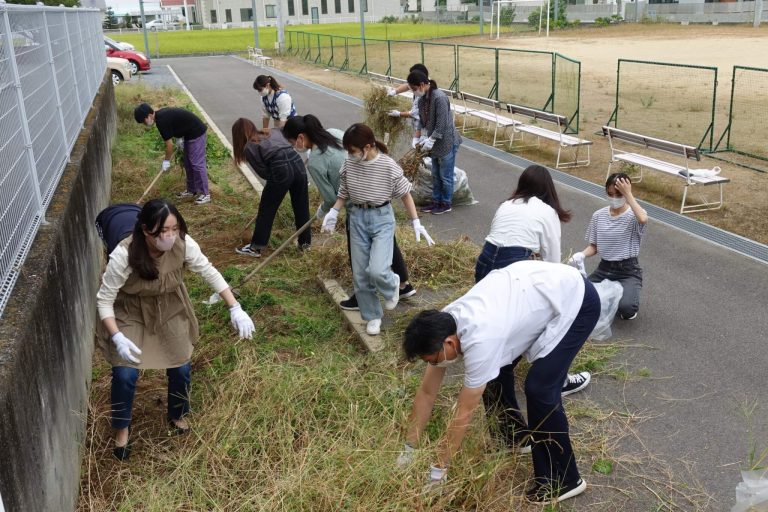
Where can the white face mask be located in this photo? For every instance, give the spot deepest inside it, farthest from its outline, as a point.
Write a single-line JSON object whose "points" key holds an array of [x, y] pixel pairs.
{"points": [[300, 147], [264, 92], [357, 158], [418, 94], [165, 244], [617, 202], [445, 363]]}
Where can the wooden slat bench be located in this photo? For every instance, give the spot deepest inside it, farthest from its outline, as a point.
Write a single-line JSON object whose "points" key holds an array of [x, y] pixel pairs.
{"points": [[680, 170], [563, 140]]}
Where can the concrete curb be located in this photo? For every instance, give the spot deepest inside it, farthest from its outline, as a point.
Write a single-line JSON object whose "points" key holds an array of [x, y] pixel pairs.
{"points": [[244, 170], [352, 318]]}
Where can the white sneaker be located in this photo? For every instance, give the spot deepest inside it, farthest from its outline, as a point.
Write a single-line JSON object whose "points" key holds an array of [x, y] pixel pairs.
{"points": [[374, 327], [391, 304], [203, 199]]}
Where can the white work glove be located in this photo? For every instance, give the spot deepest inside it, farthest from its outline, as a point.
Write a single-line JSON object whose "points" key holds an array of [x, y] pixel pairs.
{"points": [[427, 145], [422, 140], [320, 213], [126, 348], [391, 91], [437, 479], [241, 321], [406, 456], [422, 231], [577, 260], [180, 144], [393, 113], [166, 165], [414, 142], [329, 221]]}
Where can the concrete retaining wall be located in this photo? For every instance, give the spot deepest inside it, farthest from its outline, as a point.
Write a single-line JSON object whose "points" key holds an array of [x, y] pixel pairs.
{"points": [[47, 331]]}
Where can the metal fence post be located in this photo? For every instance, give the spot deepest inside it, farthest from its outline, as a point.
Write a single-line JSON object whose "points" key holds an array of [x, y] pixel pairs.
{"points": [[55, 84], [389, 57], [22, 113], [72, 67]]}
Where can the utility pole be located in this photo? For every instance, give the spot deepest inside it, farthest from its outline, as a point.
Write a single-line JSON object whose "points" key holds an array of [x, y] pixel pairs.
{"points": [[481, 3], [280, 26], [362, 19], [144, 28], [758, 13], [255, 25]]}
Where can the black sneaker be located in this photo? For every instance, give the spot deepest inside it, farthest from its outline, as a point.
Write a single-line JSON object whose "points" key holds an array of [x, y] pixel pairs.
{"points": [[431, 206], [443, 208], [628, 317], [350, 304], [545, 494], [576, 382], [247, 251], [408, 291]]}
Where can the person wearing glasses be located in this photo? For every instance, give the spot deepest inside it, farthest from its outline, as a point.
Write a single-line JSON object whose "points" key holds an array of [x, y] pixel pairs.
{"points": [[545, 311]]}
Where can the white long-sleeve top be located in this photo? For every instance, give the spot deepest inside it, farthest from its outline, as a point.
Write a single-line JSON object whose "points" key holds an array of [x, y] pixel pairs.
{"points": [[118, 270], [533, 225]]}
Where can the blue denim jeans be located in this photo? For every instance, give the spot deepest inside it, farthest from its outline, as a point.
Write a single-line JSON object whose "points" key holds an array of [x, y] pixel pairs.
{"points": [[442, 176], [494, 257], [371, 237], [124, 388]]}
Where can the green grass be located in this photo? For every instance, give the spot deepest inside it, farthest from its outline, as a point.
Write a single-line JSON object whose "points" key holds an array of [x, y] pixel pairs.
{"points": [[236, 40]]}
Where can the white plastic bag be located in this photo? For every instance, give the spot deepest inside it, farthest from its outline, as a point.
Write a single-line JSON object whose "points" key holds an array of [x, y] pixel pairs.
{"points": [[422, 186], [752, 492], [610, 293]]}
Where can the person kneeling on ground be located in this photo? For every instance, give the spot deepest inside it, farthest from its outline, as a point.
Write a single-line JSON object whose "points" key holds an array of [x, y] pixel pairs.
{"points": [[181, 124], [146, 312], [274, 160], [543, 310], [324, 163]]}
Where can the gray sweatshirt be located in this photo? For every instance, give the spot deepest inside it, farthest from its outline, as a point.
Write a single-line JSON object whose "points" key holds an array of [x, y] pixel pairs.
{"points": [[437, 119], [260, 154]]}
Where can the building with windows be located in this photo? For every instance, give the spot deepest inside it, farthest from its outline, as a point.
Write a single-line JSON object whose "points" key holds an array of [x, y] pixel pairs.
{"points": [[239, 13]]}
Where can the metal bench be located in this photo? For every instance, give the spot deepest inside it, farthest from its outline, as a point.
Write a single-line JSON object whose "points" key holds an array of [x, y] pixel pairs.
{"points": [[564, 141], [681, 170], [257, 57], [490, 116]]}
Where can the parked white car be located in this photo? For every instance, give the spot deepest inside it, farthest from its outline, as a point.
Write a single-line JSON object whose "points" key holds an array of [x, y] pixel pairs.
{"points": [[159, 24], [119, 44], [120, 69]]}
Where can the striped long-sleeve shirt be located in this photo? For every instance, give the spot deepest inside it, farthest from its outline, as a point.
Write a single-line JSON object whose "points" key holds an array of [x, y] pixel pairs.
{"points": [[616, 238], [373, 182], [436, 117]]}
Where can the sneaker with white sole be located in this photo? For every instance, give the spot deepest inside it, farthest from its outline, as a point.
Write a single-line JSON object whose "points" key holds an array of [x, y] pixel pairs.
{"points": [[545, 494], [350, 304], [185, 195], [408, 291], [576, 383], [374, 327], [632, 317], [247, 250], [391, 304], [203, 199]]}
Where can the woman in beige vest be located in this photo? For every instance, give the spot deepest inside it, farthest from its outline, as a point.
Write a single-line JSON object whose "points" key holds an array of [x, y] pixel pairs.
{"points": [[146, 311]]}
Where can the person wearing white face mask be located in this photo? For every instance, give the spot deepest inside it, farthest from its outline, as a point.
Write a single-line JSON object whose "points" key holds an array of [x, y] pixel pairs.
{"points": [[147, 317], [368, 182], [616, 233], [278, 104], [542, 310]]}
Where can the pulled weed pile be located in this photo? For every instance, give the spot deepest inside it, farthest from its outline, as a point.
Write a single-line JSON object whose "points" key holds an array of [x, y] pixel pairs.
{"points": [[377, 104], [410, 163]]}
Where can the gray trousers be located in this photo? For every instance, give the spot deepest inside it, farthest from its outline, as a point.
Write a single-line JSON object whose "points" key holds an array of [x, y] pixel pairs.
{"points": [[629, 274]]}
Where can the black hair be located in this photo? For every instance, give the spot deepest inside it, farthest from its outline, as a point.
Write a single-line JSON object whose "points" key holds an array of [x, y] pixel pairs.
{"points": [[151, 218], [264, 80], [416, 78], [537, 182], [615, 176], [141, 112], [426, 333], [419, 67], [360, 135], [311, 127]]}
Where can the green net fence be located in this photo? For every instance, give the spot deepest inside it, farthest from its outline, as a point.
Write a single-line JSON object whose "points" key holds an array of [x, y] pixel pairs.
{"points": [[525, 78], [441, 62], [747, 131], [668, 101], [567, 90], [477, 71]]}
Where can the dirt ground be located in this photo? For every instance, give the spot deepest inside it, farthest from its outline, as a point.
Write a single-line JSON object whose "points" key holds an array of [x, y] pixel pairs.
{"points": [[674, 103]]}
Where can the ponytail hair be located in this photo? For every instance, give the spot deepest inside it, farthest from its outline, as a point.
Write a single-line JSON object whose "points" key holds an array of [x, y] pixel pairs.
{"points": [[360, 135], [417, 78], [537, 182], [311, 127], [264, 80], [151, 218], [243, 131]]}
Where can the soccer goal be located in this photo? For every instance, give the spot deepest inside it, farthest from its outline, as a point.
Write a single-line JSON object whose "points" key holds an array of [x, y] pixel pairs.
{"points": [[497, 12]]}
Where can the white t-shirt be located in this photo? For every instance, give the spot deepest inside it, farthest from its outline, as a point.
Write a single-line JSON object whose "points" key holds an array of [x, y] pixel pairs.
{"points": [[533, 225], [523, 308]]}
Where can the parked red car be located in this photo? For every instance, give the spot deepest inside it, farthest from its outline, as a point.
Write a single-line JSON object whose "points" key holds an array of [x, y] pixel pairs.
{"points": [[137, 60]]}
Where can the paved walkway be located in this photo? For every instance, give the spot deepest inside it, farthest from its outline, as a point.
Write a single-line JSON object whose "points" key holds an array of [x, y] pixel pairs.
{"points": [[701, 331]]}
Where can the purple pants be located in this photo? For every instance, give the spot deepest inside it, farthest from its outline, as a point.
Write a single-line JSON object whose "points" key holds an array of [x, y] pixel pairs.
{"points": [[194, 165]]}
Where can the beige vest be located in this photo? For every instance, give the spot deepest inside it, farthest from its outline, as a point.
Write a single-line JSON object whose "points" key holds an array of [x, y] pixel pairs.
{"points": [[156, 315]]}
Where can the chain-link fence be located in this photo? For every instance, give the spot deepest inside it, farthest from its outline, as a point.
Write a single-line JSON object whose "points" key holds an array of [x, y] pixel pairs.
{"points": [[747, 131], [541, 80], [669, 101], [52, 61]]}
